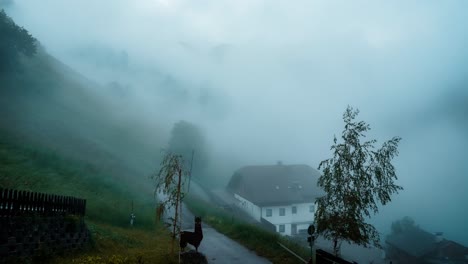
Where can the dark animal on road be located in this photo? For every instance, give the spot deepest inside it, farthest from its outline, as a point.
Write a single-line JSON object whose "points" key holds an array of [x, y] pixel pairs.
{"points": [[192, 238]]}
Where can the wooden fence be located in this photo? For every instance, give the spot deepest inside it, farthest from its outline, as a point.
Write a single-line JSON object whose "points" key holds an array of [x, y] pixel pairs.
{"points": [[15, 203]]}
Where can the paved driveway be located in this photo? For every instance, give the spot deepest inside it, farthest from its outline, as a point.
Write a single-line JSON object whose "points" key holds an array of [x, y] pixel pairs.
{"points": [[219, 248]]}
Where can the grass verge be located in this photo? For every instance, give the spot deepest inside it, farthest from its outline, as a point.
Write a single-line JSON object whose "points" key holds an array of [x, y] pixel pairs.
{"points": [[117, 245]]}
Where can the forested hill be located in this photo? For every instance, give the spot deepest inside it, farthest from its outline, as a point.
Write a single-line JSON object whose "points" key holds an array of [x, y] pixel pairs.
{"points": [[45, 103]]}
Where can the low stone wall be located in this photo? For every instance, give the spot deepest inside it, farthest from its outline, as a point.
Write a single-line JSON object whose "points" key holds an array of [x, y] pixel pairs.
{"points": [[30, 236], [37, 225]]}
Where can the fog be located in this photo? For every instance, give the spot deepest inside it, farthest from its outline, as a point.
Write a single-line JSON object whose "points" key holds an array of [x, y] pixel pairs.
{"points": [[269, 80]]}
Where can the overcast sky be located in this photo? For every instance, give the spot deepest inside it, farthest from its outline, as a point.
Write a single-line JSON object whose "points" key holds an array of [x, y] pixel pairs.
{"points": [[281, 73]]}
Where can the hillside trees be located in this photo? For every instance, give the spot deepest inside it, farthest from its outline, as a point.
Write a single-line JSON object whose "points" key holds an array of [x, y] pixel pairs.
{"points": [[355, 180], [187, 139], [15, 41], [402, 225]]}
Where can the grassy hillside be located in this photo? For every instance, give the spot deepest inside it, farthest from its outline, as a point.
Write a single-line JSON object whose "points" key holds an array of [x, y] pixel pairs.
{"points": [[109, 201], [57, 135], [108, 204], [49, 104], [57, 123]]}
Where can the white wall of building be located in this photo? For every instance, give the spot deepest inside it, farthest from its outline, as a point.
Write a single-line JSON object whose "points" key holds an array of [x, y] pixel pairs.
{"points": [[250, 208], [302, 218]]}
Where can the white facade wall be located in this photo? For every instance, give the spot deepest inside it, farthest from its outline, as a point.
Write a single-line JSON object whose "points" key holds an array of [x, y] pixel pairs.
{"points": [[302, 218], [250, 208]]}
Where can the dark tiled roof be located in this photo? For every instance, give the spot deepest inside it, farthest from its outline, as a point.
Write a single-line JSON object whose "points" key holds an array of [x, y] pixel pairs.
{"points": [[449, 243], [414, 241], [276, 184]]}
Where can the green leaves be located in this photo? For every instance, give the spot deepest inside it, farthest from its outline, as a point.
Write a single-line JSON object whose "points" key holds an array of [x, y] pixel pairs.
{"points": [[355, 180], [169, 183]]}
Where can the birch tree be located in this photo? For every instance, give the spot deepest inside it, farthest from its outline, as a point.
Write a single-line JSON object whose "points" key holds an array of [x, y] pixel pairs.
{"points": [[169, 184], [356, 179]]}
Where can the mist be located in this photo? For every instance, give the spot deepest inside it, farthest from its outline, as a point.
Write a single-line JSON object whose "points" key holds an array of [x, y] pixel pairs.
{"points": [[270, 80]]}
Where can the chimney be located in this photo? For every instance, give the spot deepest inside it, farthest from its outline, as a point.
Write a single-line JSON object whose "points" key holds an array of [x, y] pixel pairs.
{"points": [[279, 163]]}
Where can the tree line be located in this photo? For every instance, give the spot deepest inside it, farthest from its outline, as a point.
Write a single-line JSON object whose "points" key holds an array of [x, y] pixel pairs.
{"points": [[15, 42]]}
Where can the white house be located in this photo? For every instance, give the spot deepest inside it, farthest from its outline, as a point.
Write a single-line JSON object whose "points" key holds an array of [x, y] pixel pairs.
{"points": [[283, 195]]}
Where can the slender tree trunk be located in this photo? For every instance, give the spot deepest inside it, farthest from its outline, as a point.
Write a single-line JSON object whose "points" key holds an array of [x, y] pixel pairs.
{"points": [[179, 202], [174, 230], [336, 247], [176, 214]]}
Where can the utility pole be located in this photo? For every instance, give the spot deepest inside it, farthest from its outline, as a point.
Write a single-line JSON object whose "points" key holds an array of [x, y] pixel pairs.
{"points": [[190, 172]]}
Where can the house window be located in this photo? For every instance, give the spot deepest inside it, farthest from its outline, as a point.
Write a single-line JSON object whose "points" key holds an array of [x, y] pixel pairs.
{"points": [[294, 210], [282, 211], [281, 228], [269, 212], [311, 208]]}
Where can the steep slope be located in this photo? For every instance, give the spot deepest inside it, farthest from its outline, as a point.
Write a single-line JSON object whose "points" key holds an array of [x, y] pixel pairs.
{"points": [[57, 136], [47, 104]]}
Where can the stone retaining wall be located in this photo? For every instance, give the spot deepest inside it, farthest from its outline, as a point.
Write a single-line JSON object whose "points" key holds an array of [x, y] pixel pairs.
{"points": [[41, 230]]}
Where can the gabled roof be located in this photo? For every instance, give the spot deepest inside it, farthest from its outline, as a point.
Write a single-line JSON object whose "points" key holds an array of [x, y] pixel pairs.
{"points": [[414, 241], [421, 244], [276, 184], [452, 244]]}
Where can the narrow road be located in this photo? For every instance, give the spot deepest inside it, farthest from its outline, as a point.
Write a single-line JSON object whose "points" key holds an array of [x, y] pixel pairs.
{"points": [[219, 248]]}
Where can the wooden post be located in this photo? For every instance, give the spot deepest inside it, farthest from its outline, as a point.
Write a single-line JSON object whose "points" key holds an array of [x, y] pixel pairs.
{"points": [[28, 202], [14, 202], [190, 172], [3, 201]]}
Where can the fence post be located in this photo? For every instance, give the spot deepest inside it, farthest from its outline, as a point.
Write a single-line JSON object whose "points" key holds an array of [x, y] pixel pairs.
{"points": [[67, 204], [2, 201], [56, 204], [41, 203], [47, 204], [63, 200], [8, 202], [35, 200], [28, 202], [19, 200], [75, 200], [14, 202]]}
